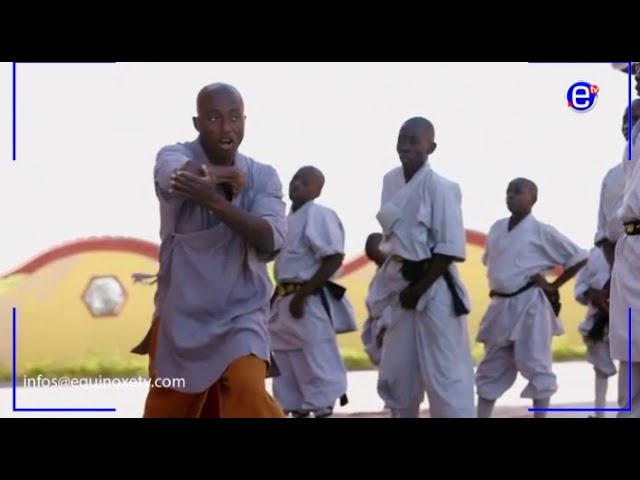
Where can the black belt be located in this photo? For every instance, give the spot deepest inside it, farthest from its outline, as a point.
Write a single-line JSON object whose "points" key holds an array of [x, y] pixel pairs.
{"points": [[335, 290], [632, 228], [600, 323], [553, 297], [493, 293], [412, 271]]}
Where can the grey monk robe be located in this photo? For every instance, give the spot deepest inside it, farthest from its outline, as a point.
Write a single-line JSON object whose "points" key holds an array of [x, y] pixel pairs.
{"points": [[213, 287]]}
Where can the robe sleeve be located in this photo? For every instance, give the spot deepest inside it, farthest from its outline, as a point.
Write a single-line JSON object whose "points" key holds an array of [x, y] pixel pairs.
{"points": [[559, 249], [169, 159], [447, 222], [324, 232], [268, 203]]}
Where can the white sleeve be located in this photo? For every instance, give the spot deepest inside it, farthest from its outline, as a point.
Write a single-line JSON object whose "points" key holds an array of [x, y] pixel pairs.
{"points": [[446, 222], [324, 232], [601, 232], [559, 249], [268, 203]]}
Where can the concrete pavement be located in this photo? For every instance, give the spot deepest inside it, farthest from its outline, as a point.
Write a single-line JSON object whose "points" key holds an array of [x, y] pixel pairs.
{"points": [[576, 380]]}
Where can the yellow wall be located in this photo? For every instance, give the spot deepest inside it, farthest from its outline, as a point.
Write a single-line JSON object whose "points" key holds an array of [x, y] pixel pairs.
{"points": [[54, 326]]}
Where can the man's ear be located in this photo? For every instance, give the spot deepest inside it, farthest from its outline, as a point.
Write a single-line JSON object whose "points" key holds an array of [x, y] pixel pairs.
{"points": [[196, 124], [433, 148]]}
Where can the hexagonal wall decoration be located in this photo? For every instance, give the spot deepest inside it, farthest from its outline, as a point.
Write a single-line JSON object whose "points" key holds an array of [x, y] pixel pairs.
{"points": [[104, 296]]}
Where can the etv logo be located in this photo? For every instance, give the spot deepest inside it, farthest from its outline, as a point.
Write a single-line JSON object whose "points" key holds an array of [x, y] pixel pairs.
{"points": [[582, 96]]}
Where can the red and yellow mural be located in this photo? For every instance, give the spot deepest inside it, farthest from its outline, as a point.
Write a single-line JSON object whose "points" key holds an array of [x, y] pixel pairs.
{"points": [[80, 300]]}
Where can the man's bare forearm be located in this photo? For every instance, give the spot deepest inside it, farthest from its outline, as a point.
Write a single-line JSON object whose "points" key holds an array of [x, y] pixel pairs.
{"points": [[437, 267], [330, 265], [568, 274]]}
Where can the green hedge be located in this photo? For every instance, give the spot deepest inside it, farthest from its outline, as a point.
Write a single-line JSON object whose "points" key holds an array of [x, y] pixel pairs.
{"points": [[95, 366]]}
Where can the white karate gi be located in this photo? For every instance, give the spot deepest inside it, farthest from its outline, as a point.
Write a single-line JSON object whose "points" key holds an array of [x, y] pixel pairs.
{"points": [[312, 373], [609, 225], [427, 348], [517, 331], [625, 290]]}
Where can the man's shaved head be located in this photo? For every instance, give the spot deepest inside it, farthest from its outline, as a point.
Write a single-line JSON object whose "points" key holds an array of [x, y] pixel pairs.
{"points": [[315, 174], [416, 141], [372, 249], [217, 89], [220, 122], [372, 245], [423, 125], [306, 185], [522, 195], [526, 184]]}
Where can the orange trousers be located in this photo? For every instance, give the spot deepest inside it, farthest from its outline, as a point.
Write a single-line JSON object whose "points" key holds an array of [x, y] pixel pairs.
{"points": [[240, 393]]}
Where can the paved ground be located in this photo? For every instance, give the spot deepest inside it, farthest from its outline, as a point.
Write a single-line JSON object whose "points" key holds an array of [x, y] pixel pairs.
{"points": [[575, 379]]}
